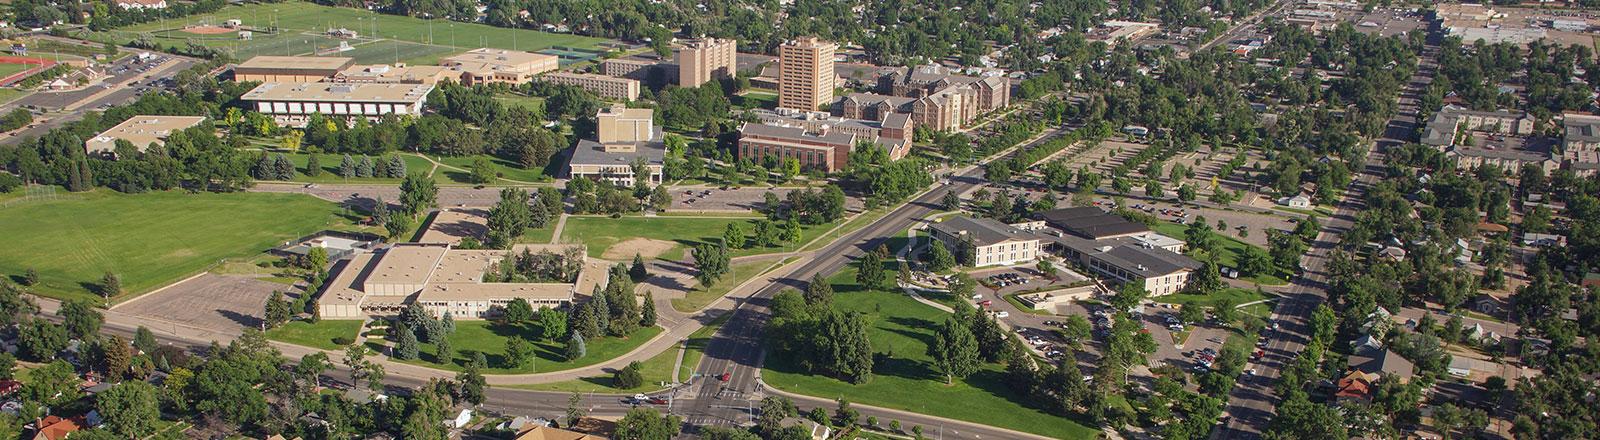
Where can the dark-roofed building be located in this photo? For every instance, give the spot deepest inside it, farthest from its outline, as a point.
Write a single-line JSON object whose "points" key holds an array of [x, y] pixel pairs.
{"points": [[623, 137], [988, 242], [1383, 362], [1129, 259], [822, 149], [1092, 223], [1580, 143]]}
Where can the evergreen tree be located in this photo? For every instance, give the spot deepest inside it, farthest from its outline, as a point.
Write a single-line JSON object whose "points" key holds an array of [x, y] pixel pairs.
{"points": [[448, 324], [283, 168], [313, 166], [819, 293], [870, 273], [629, 377], [365, 168], [474, 388], [638, 271], [518, 353], [145, 340], [277, 311], [575, 347], [347, 167], [380, 212], [396, 167], [647, 316], [951, 202], [405, 347], [418, 193], [443, 351]]}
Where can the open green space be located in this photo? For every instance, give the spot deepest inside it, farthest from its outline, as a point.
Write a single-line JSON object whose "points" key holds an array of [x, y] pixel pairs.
{"points": [[458, 169], [150, 239], [8, 94], [601, 233], [701, 296], [330, 168], [1226, 255], [905, 379], [300, 26], [8, 69], [534, 103], [316, 335], [656, 370], [1237, 295], [489, 338]]}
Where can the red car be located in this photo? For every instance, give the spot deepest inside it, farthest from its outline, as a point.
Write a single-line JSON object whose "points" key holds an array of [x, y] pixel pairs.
{"points": [[656, 401], [725, 376], [985, 303]]}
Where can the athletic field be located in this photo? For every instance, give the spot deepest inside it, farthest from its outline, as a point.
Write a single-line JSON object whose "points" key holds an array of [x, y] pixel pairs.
{"points": [[298, 28]]}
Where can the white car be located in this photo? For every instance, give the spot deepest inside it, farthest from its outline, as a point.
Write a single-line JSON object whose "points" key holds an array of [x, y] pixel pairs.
{"points": [[1002, 314]]}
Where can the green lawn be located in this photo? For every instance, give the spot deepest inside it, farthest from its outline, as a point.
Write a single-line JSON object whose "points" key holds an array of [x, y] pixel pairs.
{"points": [[539, 235], [1225, 256], [1239, 296], [149, 239], [535, 103], [757, 100], [902, 329], [319, 335], [8, 94], [504, 169], [600, 233], [490, 339], [700, 296], [8, 69], [330, 168], [302, 24], [656, 370]]}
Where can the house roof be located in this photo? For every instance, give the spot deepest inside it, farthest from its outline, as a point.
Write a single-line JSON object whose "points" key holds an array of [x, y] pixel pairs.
{"points": [[57, 428], [1385, 362], [548, 433]]}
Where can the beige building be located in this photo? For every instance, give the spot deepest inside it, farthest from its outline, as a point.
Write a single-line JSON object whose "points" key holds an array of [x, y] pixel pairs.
{"points": [[293, 103], [989, 242], [1580, 143], [286, 69], [622, 89], [445, 280], [1142, 259], [623, 137], [141, 131], [706, 59], [805, 73], [400, 74], [487, 65], [819, 147]]}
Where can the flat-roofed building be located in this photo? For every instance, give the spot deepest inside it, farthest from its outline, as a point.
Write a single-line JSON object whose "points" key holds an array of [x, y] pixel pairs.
{"points": [[488, 65], [1146, 260], [706, 59], [290, 69], [1092, 223], [608, 87], [987, 242], [1580, 143], [387, 74], [141, 131], [623, 137], [805, 73], [819, 147], [446, 280], [293, 103], [637, 69]]}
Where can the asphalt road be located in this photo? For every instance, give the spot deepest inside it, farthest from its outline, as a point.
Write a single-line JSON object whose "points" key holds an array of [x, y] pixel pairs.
{"points": [[1251, 403], [116, 89]]}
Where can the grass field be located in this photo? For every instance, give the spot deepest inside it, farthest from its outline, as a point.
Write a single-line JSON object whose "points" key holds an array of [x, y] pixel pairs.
{"points": [[600, 233], [901, 330], [1225, 257], [698, 297], [319, 335], [656, 370], [462, 173], [150, 239], [1239, 297], [422, 41], [513, 99], [8, 94], [8, 69], [490, 339], [330, 168]]}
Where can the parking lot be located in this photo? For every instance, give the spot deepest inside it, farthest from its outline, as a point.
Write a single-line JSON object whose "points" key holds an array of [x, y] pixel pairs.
{"points": [[209, 301]]}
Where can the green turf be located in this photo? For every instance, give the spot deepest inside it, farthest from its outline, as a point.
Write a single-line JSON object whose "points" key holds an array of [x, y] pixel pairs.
{"points": [[8, 69], [1225, 256], [8, 94], [1239, 297], [907, 380], [656, 370], [330, 168], [319, 335], [519, 100], [490, 339], [302, 24], [150, 239], [458, 170], [699, 297]]}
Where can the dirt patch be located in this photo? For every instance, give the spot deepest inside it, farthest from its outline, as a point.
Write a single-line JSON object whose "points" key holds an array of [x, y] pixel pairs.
{"points": [[645, 247], [208, 30]]}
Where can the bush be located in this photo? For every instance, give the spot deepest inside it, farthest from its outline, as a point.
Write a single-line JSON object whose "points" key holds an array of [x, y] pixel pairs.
{"points": [[629, 377], [344, 340]]}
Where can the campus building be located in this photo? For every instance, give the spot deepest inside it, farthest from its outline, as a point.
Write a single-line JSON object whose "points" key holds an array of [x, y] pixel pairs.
{"points": [[623, 137], [1148, 260], [608, 87], [706, 59], [141, 131], [935, 98], [487, 65], [637, 69], [1580, 143], [818, 143], [397, 74], [805, 73], [989, 242], [1092, 223], [292, 104], [445, 280], [290, 69], [141, 4], [1486, 138]]}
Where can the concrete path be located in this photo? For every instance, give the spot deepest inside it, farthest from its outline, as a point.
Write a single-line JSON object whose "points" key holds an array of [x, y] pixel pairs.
{"points": [[555, 236]]}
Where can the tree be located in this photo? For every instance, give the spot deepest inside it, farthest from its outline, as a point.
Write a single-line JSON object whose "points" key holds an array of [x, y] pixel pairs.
{"points": [[951, 201], [647, 314], [406, 346], [8, 366], [1191, 313], [712, 260], [1127, 297], [963, 285], [939, 257], [115, 357], [552, 323], [277, 311], [629, 377], [39, 340], [519, 353], [443, 351], [1226, 310], [576, 348], [53, 384], [313, 166], [774, 410], [1046, 268], [110, 285], [80, 319], [473, 386], [519, 311], [347, 167], [954, 351], [647, 424], [509, 217], [30, 277], [129, 409], [397, 226], [1253, 261], [417, 194], [426, 409], [734, 235], [869, 271], [365, 167], [638, 271], [819, 293], [1301, 419]]}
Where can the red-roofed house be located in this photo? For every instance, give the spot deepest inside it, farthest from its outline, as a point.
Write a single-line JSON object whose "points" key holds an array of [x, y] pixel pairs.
{"points": [[57, 428], [1354, 386]]}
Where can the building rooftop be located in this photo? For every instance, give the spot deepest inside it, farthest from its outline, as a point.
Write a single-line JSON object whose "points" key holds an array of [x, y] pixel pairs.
{"points": [[589, 152], [339, 92], [399, 74], [1091, 222], [797, 134], [453, 225], [1384, 362], [141, 131], [296, 63], [984, 232], [1582, 128], [499, 60], [407, 264]]}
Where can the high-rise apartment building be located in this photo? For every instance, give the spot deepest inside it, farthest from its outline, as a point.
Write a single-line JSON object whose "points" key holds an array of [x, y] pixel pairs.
{"points": [[706, 59], [805, 74]]}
